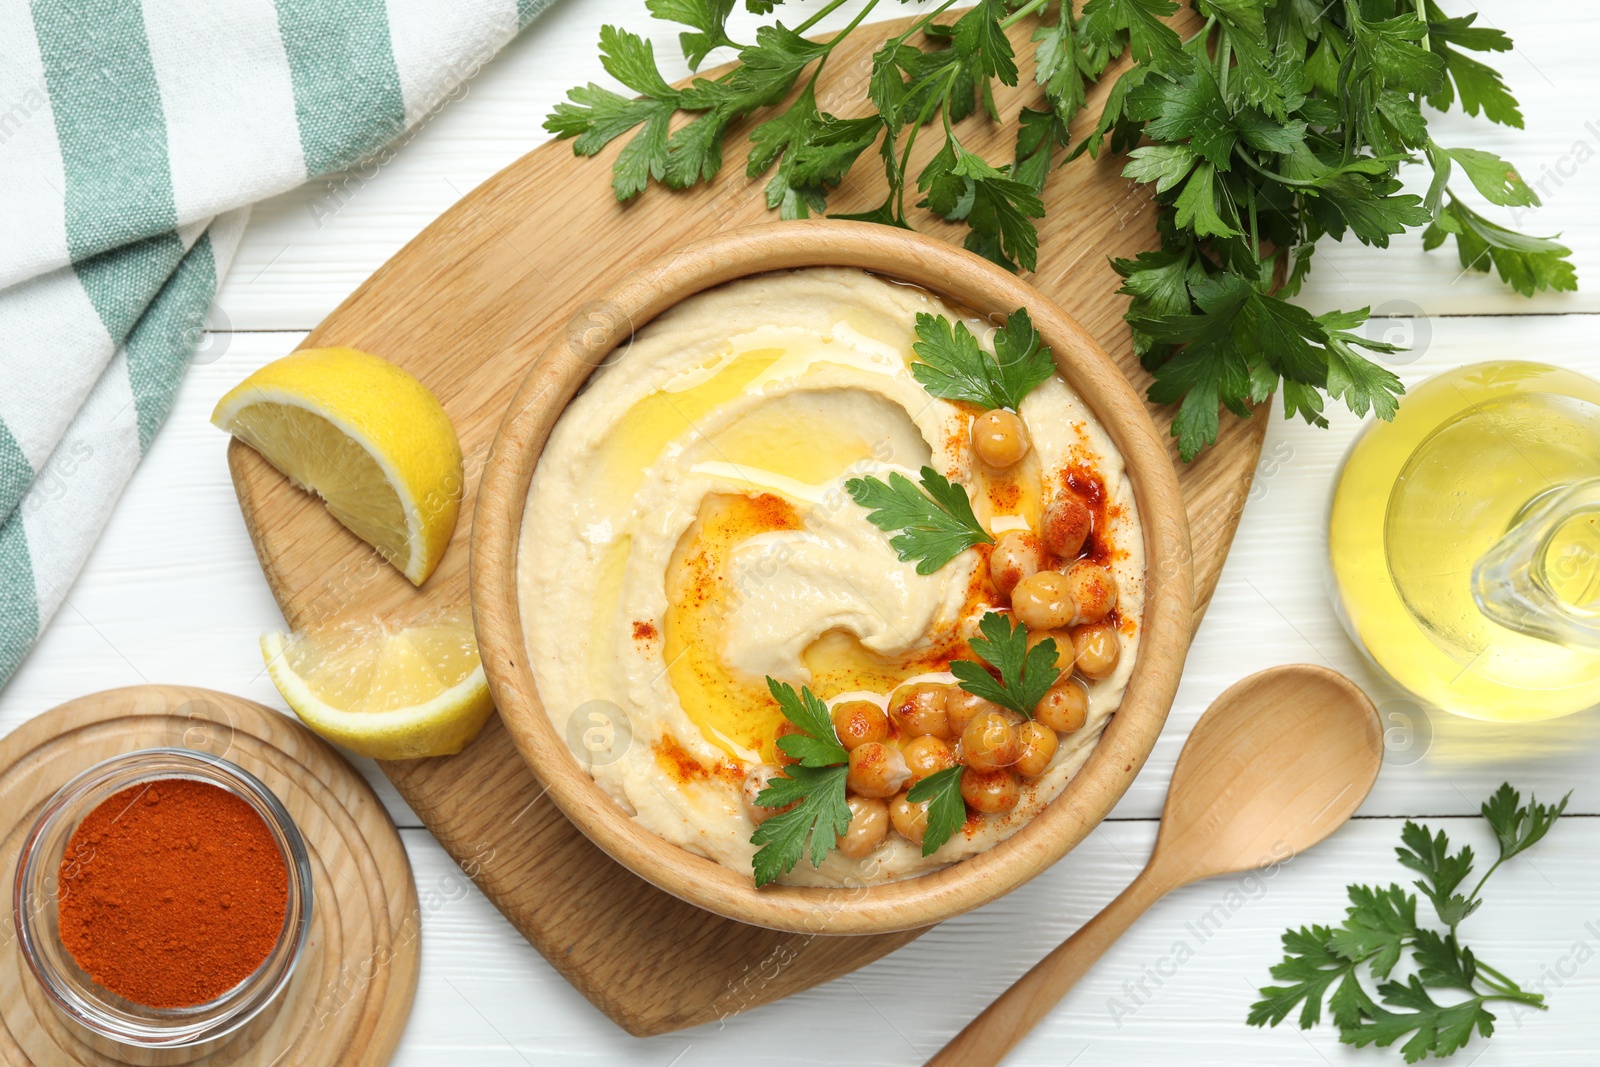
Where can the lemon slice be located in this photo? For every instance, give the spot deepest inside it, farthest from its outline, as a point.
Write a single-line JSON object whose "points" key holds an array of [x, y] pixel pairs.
{"points": [[384, 692], [367, 438]]}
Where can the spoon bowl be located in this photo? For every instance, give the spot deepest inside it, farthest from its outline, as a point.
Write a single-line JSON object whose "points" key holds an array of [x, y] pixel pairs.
{"points": [[1277, 763]]}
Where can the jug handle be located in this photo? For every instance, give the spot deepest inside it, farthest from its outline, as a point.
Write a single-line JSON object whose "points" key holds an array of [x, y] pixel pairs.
{"points": [[1510, 582]]}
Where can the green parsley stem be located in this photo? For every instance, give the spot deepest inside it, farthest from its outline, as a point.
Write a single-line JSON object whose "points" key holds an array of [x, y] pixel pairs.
{"points": [[934, 100], [924, 20], [841, 35], [1479, 888], [1224, 63], [1201, 32], [827, 9], [1265, 173], [1533, 1000], [1027, 9], [1506, 985]]}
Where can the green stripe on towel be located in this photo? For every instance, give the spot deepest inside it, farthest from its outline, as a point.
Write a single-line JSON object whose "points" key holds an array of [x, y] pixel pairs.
{"points": [[160, 346], [122, 282], [528, 10], [16, 473], [346, 87], [109, 122], [19, 603]]}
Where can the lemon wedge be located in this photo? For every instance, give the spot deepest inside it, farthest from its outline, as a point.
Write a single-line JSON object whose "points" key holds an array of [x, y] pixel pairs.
{"points": [[388, 693], [367, 438]]}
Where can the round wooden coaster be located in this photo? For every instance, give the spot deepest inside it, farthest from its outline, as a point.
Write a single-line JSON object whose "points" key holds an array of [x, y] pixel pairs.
{"points": [[352, 990]]}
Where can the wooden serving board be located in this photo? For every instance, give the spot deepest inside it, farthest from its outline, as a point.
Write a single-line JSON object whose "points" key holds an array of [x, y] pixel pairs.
{"points": [[351, 993], [466, 306]]}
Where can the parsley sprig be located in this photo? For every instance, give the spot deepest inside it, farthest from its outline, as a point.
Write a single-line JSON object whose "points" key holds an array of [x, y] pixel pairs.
{"points": [[1274, 126], [815, 785], [1381, 924], [1025, 674], [951, 364], [935, 522]]}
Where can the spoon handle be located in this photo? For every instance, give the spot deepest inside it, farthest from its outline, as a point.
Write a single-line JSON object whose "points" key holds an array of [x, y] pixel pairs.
{"points": [[988, 1038]]}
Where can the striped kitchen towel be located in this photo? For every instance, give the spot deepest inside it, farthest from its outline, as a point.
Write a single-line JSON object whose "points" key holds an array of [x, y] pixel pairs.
{"points": [[133, 138]]}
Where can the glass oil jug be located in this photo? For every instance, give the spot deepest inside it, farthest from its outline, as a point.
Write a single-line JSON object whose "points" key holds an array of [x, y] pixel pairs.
{"points": [[1464, 542]]}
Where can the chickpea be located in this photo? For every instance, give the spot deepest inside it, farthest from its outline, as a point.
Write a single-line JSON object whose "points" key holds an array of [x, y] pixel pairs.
{"points": [[927, 755], [785, 729], [1043, 601], [869, 824], [1066, 524], [961, 706], [1016, 555], [990, 792], [1063, 640], [910, 820], [1064, 707], [877, 770], [989, 742], [1038, 743], [920, 709], [1098, 649], [1000, 438], [859, 721], [758, 779], [1093, 591]]}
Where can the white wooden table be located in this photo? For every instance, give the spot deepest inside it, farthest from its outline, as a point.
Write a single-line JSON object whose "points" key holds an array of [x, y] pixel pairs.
{"points": [[172, 594]]}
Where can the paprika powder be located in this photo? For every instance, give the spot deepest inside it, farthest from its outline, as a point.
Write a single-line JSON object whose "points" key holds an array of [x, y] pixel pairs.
{"points": [[172, 892]]}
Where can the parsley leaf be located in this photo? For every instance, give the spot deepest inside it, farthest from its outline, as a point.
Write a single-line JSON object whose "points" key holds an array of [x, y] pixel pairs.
{"points": [[1442, 872], [1149, 39], [819, 745], [1438, 1030], [936, 522], [951, 364], [1496, 179], [709, 19], [1528, 264], [946, 810], [819, 817], [1516, 827], [1380, 927], [1313, 966], [1025, 674]]}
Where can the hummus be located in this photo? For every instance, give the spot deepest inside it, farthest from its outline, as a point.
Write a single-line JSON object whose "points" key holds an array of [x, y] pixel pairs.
{"points": [[688, 534]]}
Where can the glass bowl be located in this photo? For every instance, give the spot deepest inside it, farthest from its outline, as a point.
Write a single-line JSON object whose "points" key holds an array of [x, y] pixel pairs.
{"points": [[82, 1000]]}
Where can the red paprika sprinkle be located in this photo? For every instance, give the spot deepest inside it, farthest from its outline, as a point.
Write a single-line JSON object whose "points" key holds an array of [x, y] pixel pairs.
{"points": [[172, 893]]}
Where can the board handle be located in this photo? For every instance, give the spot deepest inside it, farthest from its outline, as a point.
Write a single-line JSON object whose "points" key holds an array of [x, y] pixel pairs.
{"points": [[995, 1032]]}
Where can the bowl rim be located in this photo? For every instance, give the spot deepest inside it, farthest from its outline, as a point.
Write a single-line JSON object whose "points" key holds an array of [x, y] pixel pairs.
{"points": [[593, 331]]}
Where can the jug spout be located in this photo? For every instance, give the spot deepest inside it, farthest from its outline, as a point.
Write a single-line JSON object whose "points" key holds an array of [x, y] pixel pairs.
{"points": [[1542, 578]]}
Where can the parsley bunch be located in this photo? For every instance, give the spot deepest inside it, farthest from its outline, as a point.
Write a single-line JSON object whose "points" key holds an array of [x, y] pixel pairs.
{"points": [[1381, 924], [1278, 123]]}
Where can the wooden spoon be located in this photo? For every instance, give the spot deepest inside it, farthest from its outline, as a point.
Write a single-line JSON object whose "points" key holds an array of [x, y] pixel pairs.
{"points": [[1276, 764]]}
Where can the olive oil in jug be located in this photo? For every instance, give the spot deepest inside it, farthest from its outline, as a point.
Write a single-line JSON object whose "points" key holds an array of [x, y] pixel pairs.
{"points": [[1464, 542]]}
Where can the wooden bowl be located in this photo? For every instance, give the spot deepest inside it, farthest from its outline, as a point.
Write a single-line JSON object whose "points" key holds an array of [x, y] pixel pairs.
{"points": [[598, 327]]}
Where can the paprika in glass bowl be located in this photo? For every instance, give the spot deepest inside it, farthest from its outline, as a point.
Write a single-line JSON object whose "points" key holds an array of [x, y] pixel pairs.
{"points": [[163, 898]]}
